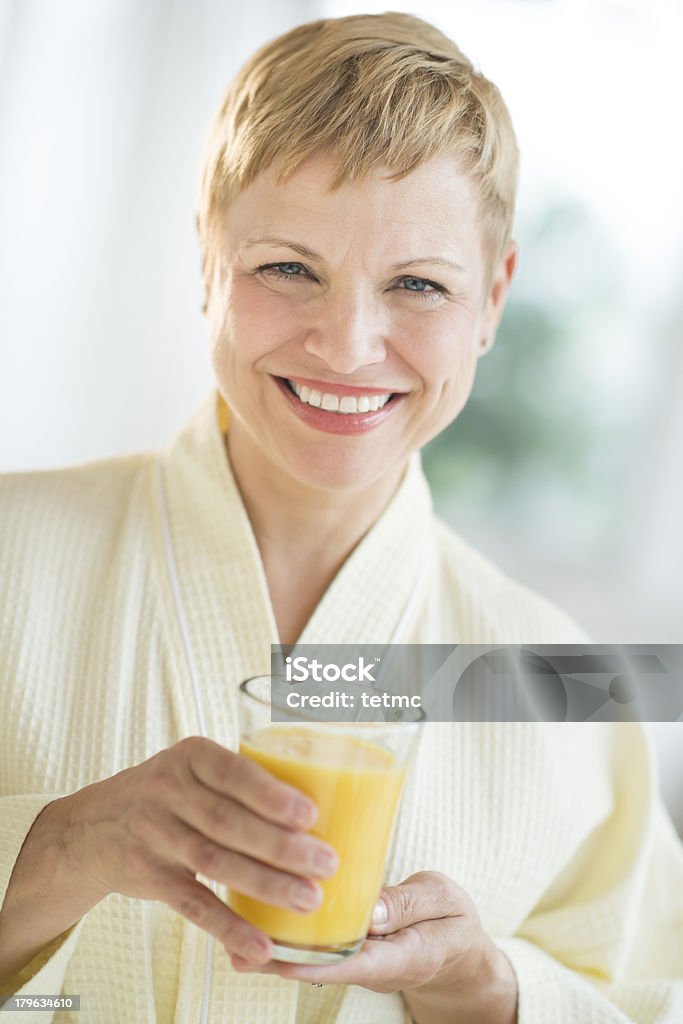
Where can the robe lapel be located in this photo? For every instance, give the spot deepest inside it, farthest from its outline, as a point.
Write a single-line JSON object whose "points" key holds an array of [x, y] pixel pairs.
{"points": [[220, 574], [222, 583], [387, 570]]}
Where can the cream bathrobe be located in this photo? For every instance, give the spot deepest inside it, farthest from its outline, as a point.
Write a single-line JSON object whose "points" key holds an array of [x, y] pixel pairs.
{"points": [[556, 831]]}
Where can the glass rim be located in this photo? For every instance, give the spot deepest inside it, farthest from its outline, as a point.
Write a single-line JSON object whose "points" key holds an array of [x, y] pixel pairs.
{"points": [[244, 689]]}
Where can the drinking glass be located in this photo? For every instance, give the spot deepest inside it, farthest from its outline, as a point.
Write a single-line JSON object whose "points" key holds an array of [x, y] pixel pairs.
{"points": [[354, 772]]}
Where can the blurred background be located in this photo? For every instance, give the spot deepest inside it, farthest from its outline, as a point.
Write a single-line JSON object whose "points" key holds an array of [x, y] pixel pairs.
{"points": [[566, 466]]}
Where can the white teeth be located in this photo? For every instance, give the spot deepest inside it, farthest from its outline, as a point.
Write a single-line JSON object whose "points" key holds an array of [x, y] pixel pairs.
{"points": [[332, 403]]}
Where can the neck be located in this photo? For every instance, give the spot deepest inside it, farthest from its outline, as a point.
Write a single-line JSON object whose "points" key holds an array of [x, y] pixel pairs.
{"points": [[304, 533]]}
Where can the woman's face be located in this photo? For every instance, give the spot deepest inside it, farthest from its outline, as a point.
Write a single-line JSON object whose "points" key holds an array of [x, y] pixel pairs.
{"points": [[347, 325]]}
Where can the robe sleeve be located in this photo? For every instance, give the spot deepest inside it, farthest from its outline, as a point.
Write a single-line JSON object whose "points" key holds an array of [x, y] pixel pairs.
{"points": [[604, 945], [44, 975]]}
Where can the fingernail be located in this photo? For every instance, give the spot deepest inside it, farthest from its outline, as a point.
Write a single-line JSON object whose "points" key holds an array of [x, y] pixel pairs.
{"points": [[304, 813], [325, 862], [256, 950], [379, 914], [304, 897]]}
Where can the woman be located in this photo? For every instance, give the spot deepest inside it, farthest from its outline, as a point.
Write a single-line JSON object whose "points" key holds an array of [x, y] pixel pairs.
{"points": [[355, 217]]}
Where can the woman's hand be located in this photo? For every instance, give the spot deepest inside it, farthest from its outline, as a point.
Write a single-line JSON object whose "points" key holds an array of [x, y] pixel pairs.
{"points": [[432, 948], [193, 808]]}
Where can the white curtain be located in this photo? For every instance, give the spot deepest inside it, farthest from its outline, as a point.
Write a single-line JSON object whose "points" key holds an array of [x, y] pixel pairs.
{"points": [[103, 111]]}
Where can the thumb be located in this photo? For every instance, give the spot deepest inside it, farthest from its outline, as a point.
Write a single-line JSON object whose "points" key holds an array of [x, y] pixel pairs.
{"points": [[425, 896]]}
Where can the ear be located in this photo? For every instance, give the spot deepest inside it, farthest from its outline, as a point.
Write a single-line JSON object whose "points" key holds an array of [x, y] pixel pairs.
{"points": [[497, 294]]}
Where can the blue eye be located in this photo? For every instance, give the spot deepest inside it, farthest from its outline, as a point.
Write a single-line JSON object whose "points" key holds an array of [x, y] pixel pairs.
{"points": [[291, 269], [420, 286], [284, 271]]}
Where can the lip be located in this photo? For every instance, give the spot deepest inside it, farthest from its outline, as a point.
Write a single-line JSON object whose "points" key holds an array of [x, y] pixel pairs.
{"points": [[334, 422], [344, 389]]}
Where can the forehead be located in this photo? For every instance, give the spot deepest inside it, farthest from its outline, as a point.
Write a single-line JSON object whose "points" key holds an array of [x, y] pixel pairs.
{"points": [[433, 205]]}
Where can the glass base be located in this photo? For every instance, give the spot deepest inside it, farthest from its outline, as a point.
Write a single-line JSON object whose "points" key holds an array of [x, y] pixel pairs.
{"points": [[289, 953]]}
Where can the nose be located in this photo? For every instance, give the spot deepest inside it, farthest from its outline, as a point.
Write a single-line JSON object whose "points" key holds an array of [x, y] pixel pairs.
{"points": [[348, 333]]}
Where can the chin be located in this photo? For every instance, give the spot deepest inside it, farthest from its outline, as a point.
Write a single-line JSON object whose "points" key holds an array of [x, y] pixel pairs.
{"points": [[335, 470]]}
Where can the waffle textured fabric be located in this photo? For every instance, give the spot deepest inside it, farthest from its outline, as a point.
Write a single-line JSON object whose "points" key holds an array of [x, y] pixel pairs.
{"points": [[556, 830]]}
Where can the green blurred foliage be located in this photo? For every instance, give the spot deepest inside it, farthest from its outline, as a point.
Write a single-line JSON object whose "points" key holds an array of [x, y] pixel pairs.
{"points": [[533, 431], [517, 421]]}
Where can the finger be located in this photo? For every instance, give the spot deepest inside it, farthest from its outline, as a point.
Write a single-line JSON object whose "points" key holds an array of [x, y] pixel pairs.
{"points": [[199, 905], [200, 854], [374, 967], [360, 969], [407, 959], [425, 896], [232, 775], [232, 825], [244, 966]]}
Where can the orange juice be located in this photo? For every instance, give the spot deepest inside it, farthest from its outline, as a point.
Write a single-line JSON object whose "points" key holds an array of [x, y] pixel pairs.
{"points": [[356, 786]]}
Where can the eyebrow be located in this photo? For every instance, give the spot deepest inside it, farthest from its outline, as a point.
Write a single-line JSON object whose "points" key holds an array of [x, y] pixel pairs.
{"points": [[287, 243], [309, 254], [440, 261]]}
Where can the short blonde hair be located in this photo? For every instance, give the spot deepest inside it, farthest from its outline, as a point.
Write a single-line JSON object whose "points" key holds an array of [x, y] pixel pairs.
{"points": [[373, 90]]}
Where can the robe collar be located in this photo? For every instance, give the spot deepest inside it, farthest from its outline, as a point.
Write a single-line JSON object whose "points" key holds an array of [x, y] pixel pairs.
{"points": [[221, 578]]}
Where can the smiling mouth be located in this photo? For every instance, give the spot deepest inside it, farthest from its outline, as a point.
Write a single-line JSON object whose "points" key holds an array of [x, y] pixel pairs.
{"points": [[343, 404]]}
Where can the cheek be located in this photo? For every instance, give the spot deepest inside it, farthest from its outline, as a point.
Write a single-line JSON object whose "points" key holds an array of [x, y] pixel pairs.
{"points": [[445, 358], [269, 319], [460, 379], [252, 326], [447, 368]]}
